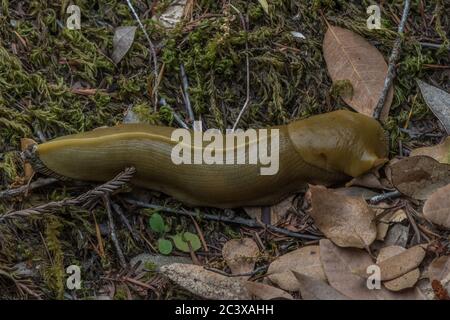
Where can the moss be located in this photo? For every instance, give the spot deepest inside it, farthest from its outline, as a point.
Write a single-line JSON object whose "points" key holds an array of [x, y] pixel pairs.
{"points": [[54, 274]]}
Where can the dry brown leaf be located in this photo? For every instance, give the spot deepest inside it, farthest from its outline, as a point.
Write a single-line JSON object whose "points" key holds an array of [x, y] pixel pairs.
{"points": [[408, 280], [418, 177], [347, 221], [314, 289], [401, 263], [277, 211], [382, 229], [439, 152], [439, 269], [341, 266], [351, 57], [205, 283], [27, 168], [265, 292], [240, 255], [368, 180], [305, 260], [437, 208]]}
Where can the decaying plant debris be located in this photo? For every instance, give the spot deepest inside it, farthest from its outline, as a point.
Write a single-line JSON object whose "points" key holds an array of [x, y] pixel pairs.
{"points": [[55, 81]]}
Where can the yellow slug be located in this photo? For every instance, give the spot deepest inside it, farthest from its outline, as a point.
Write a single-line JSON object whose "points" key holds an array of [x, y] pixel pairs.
{"points": [[323, 149]]}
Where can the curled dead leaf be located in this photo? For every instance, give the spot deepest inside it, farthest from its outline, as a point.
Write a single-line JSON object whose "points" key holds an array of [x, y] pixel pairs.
{"points": [[347, 221], [305, 260]]}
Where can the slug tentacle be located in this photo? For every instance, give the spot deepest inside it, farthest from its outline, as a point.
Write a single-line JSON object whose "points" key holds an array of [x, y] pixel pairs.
{"points": [[321, 149]]}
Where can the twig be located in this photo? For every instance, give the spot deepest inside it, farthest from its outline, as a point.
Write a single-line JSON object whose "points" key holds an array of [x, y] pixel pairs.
{"points": [[86, 198], [125, 221], [112, 230], [23, 189], [152, 51], [187, 99], [237, 220], [432, 45], [247, 68], [177, 118], [392, 62], [384, 196]]}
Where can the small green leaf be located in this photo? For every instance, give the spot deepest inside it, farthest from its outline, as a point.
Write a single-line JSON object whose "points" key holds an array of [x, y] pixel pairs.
{"points": [[264, 5], [156, 223], [180, 240], [164, 246]]}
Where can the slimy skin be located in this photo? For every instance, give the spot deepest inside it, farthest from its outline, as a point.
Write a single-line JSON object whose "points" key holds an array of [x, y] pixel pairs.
{"points": [[323, 149]]}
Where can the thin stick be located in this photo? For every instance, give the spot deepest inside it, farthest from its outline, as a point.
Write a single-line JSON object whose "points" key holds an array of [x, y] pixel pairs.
{"points": [[23, 189], [152, 51], [237, 220], [187, 99], [105, 189], [247, 68], [384, 196], [176, 116], [112, 230], [395, 54]]}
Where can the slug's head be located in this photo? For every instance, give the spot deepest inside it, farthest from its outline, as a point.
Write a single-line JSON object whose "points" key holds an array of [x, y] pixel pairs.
{"points": [[340, 141]]}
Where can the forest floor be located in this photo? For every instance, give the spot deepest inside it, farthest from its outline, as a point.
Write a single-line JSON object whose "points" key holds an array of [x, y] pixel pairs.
{"points": [[55, 81]]}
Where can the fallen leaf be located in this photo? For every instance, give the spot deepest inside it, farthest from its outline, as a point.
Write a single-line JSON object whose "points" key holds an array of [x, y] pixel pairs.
{"points": [[205, 283], [347, 221], [314, 289], [418, 177], [265, 292], [277, 211], [437, 207], [122, 41], [368, 180], [439, 269], [408, 280], [350, 57], [173, 14], [397, 235], [27, 167], [305, 260], [402, 263], [439, 152], [240, 255], [382, 229], [264, 5], [341, 266], [438, 101]]}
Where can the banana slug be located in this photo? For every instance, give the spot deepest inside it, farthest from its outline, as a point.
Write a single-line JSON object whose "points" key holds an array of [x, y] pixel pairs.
{"points": [[322, 149]]}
